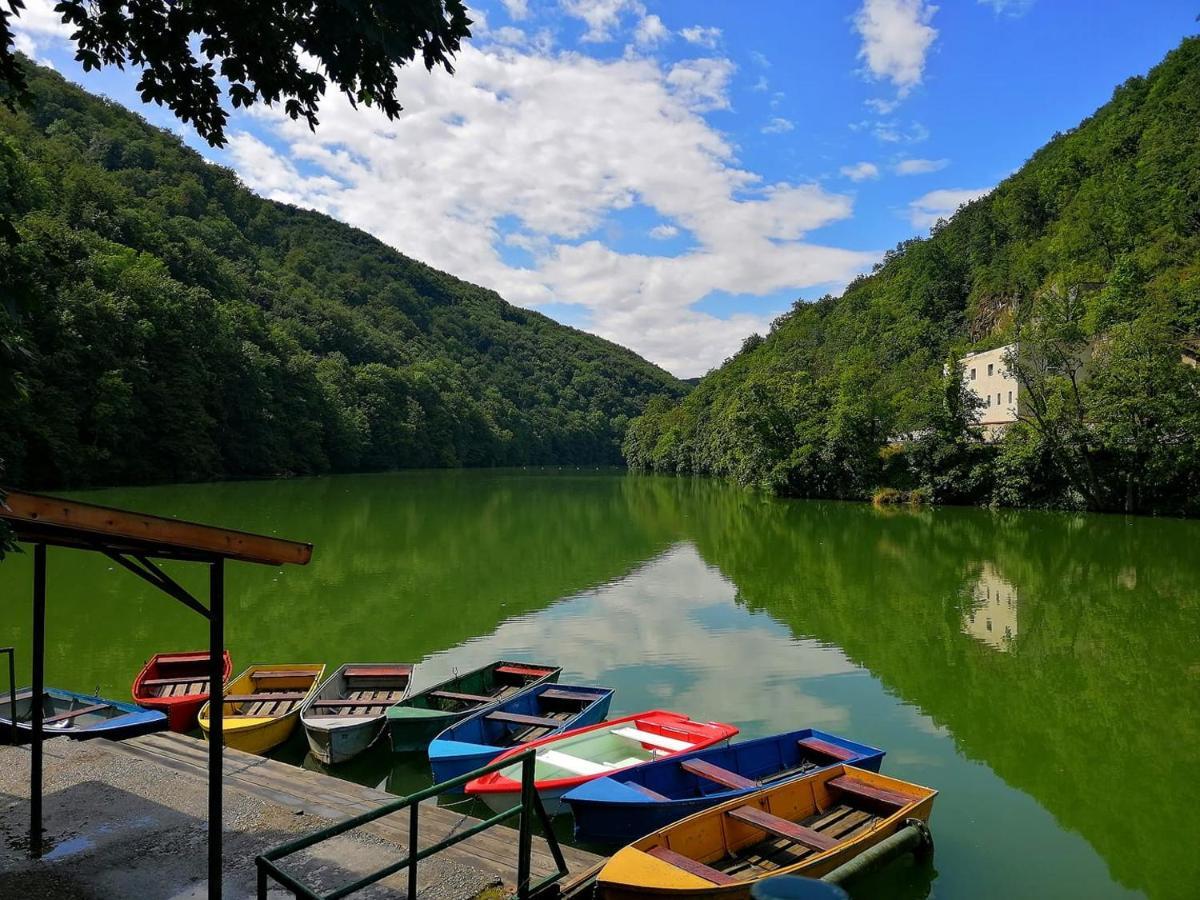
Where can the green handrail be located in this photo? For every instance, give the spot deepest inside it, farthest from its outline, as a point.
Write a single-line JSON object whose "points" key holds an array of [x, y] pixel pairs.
{"points": [[12, 693], [531, 804]]}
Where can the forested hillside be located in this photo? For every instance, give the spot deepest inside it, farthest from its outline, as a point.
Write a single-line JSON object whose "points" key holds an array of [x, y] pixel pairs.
{"points": [[1089, 256], [158, 322]]}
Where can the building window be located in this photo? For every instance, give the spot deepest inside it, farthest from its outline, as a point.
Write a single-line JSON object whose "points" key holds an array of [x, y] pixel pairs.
{"points": [[997, 399], [972, 374], [1010, 396], [989, 401], [990, 367]]}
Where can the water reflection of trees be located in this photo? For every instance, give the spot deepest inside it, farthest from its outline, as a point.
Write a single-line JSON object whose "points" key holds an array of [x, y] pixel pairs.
{"points": [[1093, 712]]}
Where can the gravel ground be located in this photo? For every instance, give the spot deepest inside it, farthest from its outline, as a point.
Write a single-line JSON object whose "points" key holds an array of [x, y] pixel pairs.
{"points": [[118, 827]]}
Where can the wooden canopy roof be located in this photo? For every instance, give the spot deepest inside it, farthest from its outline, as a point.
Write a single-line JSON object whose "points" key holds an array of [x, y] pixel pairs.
{"points": [[36, 518]]}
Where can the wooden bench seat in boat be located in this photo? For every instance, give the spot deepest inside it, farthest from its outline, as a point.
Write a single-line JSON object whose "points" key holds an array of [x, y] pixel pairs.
{"points": [[171, 682], [466, 698], [782, 828], [820, 746], [645, 791], [523, 671], [563, 694], [378, 671], [709, 772], [264, 697], [188, 660], [691, 866], [82, 711], [654, 740], [520, 719], [862, 789], [274, 676], [572, 763], [350, 704]]}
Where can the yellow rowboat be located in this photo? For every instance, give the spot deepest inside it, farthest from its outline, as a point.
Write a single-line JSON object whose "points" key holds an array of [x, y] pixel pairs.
{"points": [[808, 827], [262, 705]]}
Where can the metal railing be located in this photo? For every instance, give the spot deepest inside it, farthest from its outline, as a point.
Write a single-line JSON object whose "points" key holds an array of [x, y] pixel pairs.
{"points": [[530, 805], [12, 693]]}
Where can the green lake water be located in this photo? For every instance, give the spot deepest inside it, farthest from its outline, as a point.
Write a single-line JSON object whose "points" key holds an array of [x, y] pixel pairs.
{"points": [[1041, 670]]}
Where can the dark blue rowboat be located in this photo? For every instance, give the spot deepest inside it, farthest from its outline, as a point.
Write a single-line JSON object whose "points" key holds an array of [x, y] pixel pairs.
{"points": [[628, 804], [79, 716], [537, 713]]}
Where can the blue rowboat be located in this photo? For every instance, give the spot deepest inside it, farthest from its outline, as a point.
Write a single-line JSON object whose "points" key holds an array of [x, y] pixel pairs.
{"points": [[79, 716], [628, 804], [545, 710]]}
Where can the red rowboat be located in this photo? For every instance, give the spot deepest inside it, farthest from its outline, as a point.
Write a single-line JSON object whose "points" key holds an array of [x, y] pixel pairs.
{"points": [[177, 684]]}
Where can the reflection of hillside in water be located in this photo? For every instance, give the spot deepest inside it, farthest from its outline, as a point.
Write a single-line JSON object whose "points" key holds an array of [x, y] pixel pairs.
{"points": [[1093, 711]]}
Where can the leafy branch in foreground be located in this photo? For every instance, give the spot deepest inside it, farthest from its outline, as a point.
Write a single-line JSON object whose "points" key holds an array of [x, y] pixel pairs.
{"points": [[269, 51]]}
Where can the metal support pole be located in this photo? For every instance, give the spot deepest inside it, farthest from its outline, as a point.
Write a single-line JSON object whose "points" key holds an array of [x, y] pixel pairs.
{"points": [[12, 693], [216, 731], [525, 835], [413, 846], [37, 702]]}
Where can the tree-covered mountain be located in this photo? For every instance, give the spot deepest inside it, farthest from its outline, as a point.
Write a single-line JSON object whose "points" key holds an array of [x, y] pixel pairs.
{"points": [[1088, 257], [161, 322]]}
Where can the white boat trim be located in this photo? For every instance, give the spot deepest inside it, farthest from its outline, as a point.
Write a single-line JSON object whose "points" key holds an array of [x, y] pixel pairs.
{"points": [[573, 763]]}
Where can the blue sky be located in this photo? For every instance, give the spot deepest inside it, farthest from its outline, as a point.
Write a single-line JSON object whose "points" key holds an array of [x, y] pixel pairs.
{"points": [[672, 175]]}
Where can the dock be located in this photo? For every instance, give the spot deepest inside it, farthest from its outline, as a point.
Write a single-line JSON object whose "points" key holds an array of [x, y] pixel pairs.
{"points": [[127, 818], [333, 798]]}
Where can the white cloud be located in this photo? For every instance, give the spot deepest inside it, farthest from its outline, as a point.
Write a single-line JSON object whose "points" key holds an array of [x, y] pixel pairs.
{"points": [[1012, 8], [602, 17], [920, 166], [663, 232], [37, 26], [860, 171], [882, 107], [778, 126], [558, 144], [651, 31], [703, 36], [941, 204], [896, 37], [517, 9], [702, 84], [762, 85], [760, 59], [891, 132], [509, 35]]}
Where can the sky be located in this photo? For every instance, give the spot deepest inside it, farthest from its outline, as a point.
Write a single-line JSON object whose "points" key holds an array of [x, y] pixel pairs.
{"points": [[674, 175]]}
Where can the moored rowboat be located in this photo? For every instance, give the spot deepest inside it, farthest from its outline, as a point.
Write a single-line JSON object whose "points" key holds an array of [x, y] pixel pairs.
{"points": [[345, 715], [627, 804], [807, 826], [539, 712], [177, 684], [565, 761], [262, 705], [418, 719], [79, 716]]}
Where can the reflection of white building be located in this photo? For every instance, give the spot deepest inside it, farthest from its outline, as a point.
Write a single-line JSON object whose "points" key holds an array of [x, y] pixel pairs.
{"points": [[992, 614], [987, 374]]}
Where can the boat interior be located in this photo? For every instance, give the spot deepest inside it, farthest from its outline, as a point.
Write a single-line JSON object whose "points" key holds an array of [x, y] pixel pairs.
{"points": [[776, 843], [551, 708], [362, 691], [183, 675], [501, 682], [58, 712], [272, 694]]}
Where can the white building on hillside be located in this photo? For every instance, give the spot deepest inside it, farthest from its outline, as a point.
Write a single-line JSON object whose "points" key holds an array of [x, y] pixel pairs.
{"points": [[987, 374]]}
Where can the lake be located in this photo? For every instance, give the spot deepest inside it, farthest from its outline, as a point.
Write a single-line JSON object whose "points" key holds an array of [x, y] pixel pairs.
{"points": [[1041, 670]]}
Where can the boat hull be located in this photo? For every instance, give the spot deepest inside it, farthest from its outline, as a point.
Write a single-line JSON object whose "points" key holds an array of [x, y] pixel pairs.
{"points": [[633, 872], [343, 742], [181, 711], [336, 737], [609, 811]]}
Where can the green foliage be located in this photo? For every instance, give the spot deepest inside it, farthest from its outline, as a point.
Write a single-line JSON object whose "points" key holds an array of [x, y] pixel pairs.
{"points": [[269, 51], [168, 325], [1088, 258]]}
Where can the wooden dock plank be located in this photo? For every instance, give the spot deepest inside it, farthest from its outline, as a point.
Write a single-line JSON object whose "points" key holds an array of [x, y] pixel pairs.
{"points": [[494, 851]]}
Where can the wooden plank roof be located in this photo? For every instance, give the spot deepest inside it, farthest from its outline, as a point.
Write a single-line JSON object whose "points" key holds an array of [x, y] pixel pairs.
{"points": [[37, 518]]}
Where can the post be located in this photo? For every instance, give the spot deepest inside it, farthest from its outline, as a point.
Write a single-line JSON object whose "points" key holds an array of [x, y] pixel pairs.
{"points": [[413, 846], [525, 835], [37, 701], [12, 693], [216, 730]]}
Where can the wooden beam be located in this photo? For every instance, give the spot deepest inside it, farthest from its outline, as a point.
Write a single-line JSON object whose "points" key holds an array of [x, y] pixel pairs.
{"points": [[36, 517]]}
